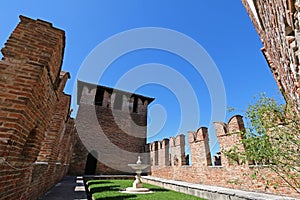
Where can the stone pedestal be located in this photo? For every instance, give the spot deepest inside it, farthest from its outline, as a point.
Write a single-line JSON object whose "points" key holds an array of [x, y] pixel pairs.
{"points": [[137, 183], [137, 186]]}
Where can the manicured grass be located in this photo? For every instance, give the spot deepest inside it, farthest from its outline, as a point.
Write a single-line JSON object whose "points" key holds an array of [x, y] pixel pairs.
{"points": [[109, 190]]}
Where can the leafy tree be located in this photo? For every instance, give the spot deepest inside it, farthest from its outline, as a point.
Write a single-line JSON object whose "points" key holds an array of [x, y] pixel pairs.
{"points": [[272, 139]]}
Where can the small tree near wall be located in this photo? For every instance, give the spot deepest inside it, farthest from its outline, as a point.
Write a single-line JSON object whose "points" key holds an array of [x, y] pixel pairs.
{"points": [[272, 139]]}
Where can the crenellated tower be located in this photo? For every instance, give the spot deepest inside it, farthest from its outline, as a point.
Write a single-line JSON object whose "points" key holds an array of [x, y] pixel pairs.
{"points": [[122, 118]]}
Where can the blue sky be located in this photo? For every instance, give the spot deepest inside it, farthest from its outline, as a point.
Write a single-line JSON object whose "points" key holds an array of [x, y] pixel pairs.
{"points": [[222, 28]]}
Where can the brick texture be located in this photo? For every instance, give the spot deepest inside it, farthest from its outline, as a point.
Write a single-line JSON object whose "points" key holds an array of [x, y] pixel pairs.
{"points": [[277, 23], [34, 111], [229, 174], [112, 125]]}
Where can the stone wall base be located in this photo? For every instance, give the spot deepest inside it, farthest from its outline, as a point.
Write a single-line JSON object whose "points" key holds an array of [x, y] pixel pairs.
{"points": [[210, 192]]}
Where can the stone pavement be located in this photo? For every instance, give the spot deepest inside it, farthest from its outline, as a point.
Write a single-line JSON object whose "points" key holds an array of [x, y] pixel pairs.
{"points": [[211, 192], [72, 188], [69, 188]]}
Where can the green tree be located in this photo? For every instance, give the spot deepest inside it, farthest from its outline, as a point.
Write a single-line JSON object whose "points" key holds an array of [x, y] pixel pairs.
{"points": [[272, 139]]}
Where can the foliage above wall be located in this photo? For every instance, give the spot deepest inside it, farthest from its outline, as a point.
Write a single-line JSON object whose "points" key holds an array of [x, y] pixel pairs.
{"points": [[272, 139]]}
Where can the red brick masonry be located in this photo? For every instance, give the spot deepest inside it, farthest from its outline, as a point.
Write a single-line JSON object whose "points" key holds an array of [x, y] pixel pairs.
{"points": [[278, 26], [36, 131], [229, 174]]}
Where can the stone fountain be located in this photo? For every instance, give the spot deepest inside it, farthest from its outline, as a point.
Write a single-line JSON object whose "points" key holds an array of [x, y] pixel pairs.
{"points": [[137, 186]]}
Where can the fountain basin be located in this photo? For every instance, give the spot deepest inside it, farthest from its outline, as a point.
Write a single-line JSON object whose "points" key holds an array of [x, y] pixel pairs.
{"points": [[137, 187], [138, 166]]}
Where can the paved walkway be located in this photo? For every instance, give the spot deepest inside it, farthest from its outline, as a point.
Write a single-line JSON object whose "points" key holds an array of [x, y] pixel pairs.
{"points": [[72, 188], [69, 188], [211, 192]]}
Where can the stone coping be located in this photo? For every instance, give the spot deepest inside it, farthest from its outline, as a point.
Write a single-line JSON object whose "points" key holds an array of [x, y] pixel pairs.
{"points": [[40, 163], [109, 176], [210, 192]]}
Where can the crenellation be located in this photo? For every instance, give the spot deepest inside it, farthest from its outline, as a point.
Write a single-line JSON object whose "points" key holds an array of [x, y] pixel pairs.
{"points": [[112, 100], [45, 50], [125, 103], [221, 129], [178, 150], [202, 134], [34, 109], [39, 141], [191, 136], [224, 172], [131, 105], [88, 95], [199, 147], [228, 135], [163, 153], [154, 153], [140, 108], [106, 99], [145, 106], [236, 124]]}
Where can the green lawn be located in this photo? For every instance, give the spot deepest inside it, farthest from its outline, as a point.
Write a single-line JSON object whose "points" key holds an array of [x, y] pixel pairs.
{"points": [[109, 190]]}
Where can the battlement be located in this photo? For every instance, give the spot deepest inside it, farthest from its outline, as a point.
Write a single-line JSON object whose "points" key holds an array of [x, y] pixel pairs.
{"points": [[228, 135], [36, 132], [112, 98], [199, 145], [43, 47], [223, 172], [200, 135]]}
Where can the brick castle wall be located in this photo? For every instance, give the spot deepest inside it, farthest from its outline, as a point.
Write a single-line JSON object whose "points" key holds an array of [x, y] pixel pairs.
{"points": [[34, 111], [121, 117], [226, 173], [277, 23]]}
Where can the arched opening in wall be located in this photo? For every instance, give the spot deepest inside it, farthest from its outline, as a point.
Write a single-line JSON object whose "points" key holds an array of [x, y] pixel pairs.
{"points": [[32, 146], [91, 163]]}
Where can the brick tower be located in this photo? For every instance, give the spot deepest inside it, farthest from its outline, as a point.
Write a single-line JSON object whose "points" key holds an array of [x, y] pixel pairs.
{"points": [[112, 130]]}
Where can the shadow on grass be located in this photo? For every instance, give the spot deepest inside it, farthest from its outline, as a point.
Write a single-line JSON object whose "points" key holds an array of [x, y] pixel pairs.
{"points": [[159, 190], [89, 183], [120, 197], [104, 188]]}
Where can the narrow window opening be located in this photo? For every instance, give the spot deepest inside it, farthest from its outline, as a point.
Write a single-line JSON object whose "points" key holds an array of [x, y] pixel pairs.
{"points": [[135, 105], [32, 146], [99, 97]]}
